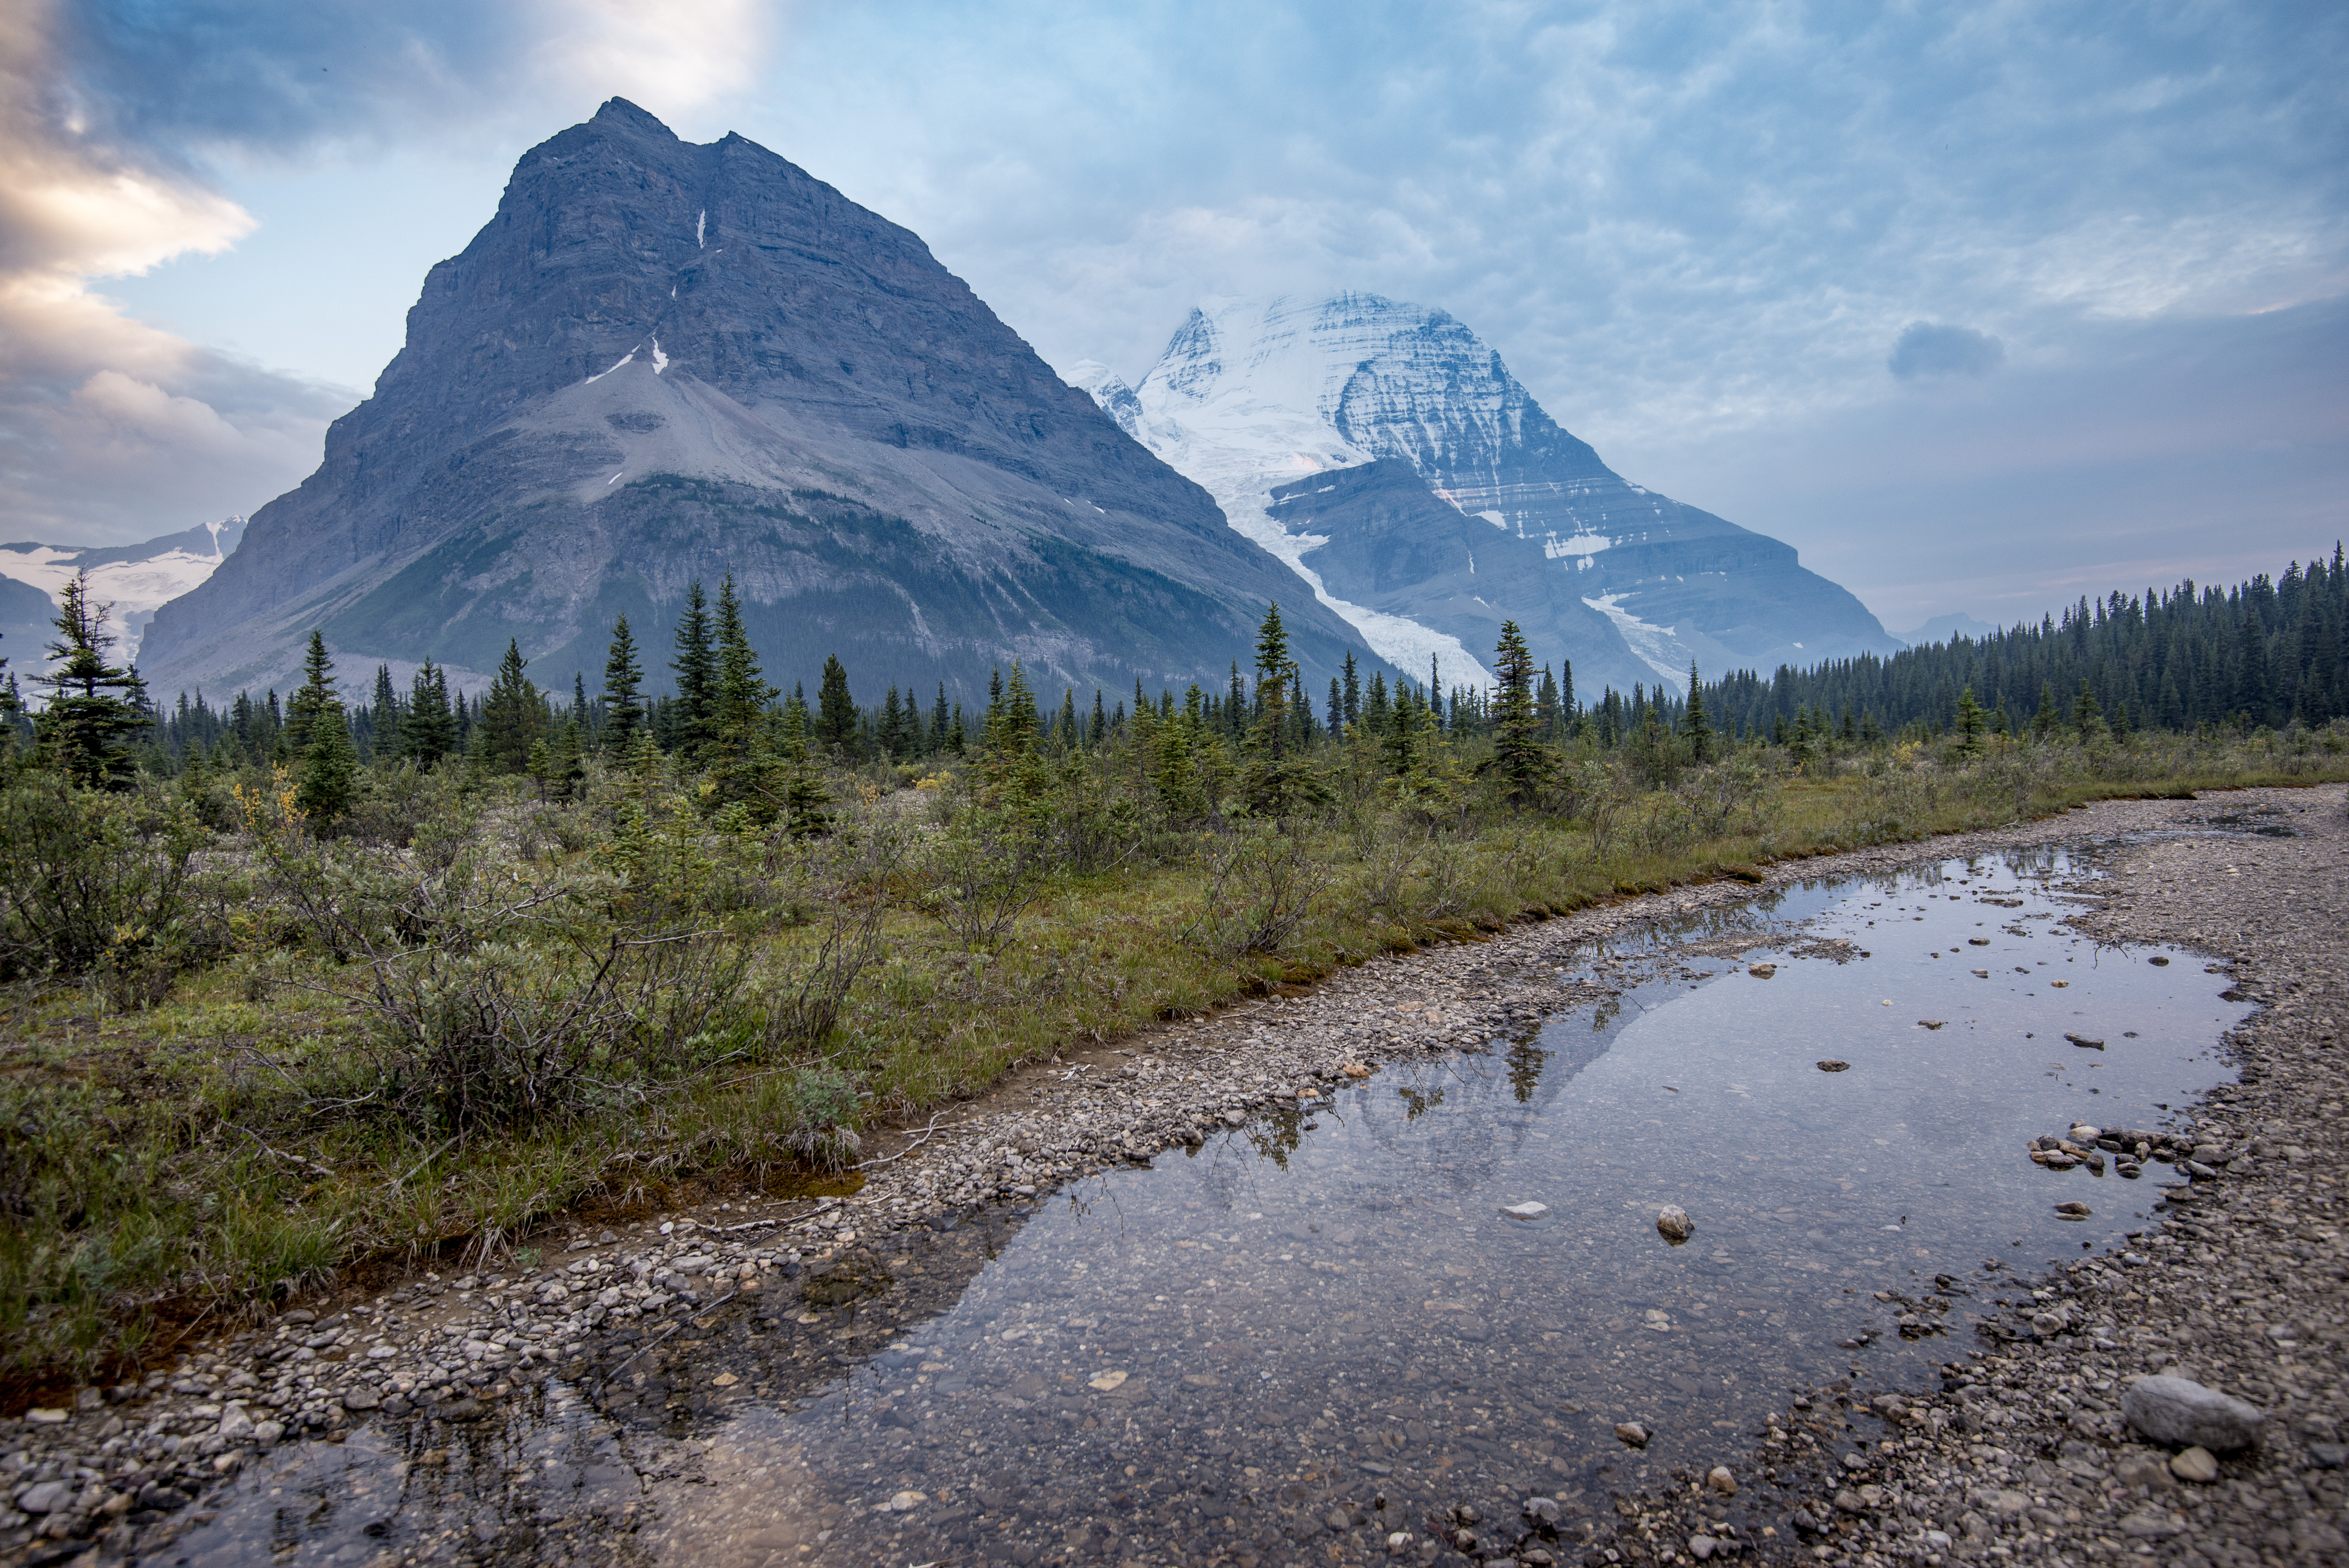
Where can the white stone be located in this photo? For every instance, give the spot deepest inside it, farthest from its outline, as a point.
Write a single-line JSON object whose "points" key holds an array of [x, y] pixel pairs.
{"points": [[1525, 1210]]}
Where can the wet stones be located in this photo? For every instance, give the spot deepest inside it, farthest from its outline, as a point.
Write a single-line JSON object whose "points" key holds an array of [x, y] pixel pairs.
{"points": [[1672, 1224], [1631, 1434], [1525, 1210], [1762, 971], [1833, 1065], [2182, 1413], [2085, 1043], [2071, 1211]]}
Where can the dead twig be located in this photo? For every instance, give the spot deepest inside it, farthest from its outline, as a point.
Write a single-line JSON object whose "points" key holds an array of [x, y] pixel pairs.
{"points": [[885, 1159]]}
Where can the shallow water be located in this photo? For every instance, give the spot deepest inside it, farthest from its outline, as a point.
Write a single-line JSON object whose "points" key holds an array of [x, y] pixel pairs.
{"points": [[1321, 1327]]}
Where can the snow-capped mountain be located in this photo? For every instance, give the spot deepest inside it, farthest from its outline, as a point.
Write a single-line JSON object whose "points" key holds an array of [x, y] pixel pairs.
{"points": [[136, 579], [1387, 455]]}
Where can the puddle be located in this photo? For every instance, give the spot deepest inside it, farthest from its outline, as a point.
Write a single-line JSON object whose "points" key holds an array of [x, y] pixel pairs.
{"points": [[1320, 1328]]}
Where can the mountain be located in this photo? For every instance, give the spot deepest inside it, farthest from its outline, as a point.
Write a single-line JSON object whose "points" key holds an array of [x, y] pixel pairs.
{"points": [[1386, 453], [136, 579], [1948, 629], [660, 361]]}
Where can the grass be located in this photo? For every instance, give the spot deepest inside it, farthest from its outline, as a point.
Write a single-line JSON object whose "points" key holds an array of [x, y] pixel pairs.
{"points": [[168, 1168]]}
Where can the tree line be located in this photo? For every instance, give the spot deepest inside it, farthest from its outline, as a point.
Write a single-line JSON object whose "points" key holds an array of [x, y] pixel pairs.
{"points": [[2266, 652]]}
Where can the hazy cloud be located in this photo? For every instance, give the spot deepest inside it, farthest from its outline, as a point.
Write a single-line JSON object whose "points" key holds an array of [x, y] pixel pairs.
{"points": [[114, 119], [1693, 227], [1929, 348]]}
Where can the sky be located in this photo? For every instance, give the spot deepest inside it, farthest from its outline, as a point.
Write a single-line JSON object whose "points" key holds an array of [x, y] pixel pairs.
{"points": [[1981, 307]]}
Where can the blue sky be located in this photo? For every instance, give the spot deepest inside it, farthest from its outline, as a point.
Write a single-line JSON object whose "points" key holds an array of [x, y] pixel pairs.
{"points": [[1982, 307]]}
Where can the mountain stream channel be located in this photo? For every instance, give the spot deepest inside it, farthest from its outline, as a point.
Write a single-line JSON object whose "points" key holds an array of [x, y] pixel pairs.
{"points": [[1317, 1334]]}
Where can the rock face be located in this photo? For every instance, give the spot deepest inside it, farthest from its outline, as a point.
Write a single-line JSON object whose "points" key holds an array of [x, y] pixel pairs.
{"points": [[660, 361], [1386, 452], [2184, 1414]]}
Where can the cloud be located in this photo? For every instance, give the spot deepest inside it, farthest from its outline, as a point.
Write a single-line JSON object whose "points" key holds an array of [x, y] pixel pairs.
{"points": [[1929, 348], [115, 117]]}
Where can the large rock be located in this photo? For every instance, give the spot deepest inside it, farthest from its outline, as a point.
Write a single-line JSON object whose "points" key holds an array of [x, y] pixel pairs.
{"points": [[2182, 1413], [661, 362]]}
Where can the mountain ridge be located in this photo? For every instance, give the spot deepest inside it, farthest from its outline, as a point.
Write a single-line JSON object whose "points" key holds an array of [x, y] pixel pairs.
{"points": [[660, 361]]}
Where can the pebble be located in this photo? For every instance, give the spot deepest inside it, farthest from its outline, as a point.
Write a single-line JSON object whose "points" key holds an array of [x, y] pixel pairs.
{"points": [[1722, 1480], [1631, 1434], [1833, 1065], [2195, 1464], [1526, 1211], [1674, 1225]]}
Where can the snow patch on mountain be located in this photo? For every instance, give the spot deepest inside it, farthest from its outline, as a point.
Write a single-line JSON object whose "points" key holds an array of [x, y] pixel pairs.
{"points": [[1656, 646]]}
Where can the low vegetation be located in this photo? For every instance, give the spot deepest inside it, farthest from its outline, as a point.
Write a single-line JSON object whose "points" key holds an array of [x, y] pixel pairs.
{"points": [[295, 999]]}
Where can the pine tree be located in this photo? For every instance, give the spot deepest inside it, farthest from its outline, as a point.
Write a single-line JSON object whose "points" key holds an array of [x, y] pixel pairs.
{"points": [[697, 675], [95, 710], [1353, 690], [1100, 731], [623, 704]]}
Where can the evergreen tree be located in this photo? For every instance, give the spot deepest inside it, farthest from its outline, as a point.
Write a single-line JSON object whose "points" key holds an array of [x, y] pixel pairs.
{"points": [[315, 695], [835, 710], [2087, 717], [1100, 731], [385, 732], [696, 665], [939, 718], [1970, 721], [95, 710], [623, 704], [330, 764], [1353, 692], [1519, 761], [1699, 726], [514, 715], [429, 730], [738, 689]]}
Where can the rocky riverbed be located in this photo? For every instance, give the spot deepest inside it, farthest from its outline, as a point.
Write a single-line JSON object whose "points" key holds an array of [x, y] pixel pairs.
{"points": [[2021, 1452]]}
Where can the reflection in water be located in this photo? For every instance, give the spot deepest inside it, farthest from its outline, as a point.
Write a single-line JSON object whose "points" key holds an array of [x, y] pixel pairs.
{"points": [[1283, 1345]]}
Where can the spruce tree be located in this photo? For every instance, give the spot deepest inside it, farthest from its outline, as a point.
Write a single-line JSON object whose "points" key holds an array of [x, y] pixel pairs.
{"points": [[386, 716], [429, 730], [1699, 725], [330, 764], [316, 695], [624, 702], [513, 716], [1971, 721], [1519, 761], [1353, 692], [835, 710], [739, 690], [95, 710], [697, 675]]}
